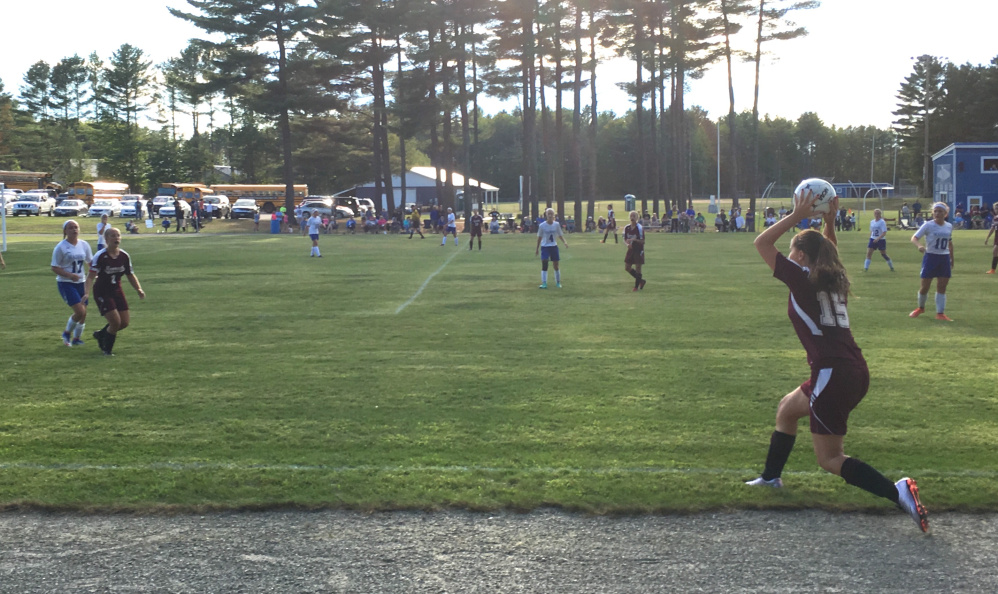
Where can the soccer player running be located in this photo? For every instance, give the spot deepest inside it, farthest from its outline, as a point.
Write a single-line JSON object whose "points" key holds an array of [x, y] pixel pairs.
{"points": [[839, 376], [937, 263], [878, 241], [106, 270], [634, 237], [68, 260], [451, 228], [477, 223], [993, 231], [314, 223], [548, 233]]}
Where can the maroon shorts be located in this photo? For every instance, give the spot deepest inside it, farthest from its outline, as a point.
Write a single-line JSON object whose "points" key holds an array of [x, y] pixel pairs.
{"points": [[635, 256], [476, 232], [111, 300], [833, 392]]}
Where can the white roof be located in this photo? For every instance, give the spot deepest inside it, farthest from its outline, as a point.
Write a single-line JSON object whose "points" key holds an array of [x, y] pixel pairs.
{"points": [[425, 177]]}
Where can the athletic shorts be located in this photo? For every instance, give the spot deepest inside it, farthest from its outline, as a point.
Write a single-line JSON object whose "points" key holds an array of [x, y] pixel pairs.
{"points": [[114, 299], [879, 244], [635, 256], [476, 232], [314, 236], [450, 229], [72, 293], [936, 266], [833, 392], [550, 252]]}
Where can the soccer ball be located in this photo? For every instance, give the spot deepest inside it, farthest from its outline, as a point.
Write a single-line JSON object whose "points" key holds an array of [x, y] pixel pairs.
{"points": [[820, 188]]}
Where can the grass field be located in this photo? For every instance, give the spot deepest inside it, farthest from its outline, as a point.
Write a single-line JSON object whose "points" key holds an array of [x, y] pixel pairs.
{"points": [[399, 374]]}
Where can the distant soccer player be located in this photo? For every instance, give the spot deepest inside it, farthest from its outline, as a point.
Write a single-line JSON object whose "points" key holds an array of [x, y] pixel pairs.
{"points": [[102, 226], [415, 222], [69, 258], [839, 378], [611, 225], [634, 237], [476, 222], [937, 263], [314, 223], [450, 228], [106, 270], [548, 233], [993, 231], [878, 241]]}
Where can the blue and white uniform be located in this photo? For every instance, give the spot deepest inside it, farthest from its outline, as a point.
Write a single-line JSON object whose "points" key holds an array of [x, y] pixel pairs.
{"points": [[74, 259], [878, 229], [314, 224], [549, 234], [936, 261]]}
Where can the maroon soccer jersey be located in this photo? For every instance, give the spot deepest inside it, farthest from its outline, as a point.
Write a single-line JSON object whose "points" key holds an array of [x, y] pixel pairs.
{"points": [[819, 318], [110, 270], [637, 234]]}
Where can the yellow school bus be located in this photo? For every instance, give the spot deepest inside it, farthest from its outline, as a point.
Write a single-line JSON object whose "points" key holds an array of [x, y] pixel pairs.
{"points": [[87, 190], [269, 197]]}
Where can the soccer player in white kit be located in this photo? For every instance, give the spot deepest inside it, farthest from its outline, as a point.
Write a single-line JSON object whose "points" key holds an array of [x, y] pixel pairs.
{"points": [[548, 233], [937, 263], [451, 227], [878, 233], [69, 258], [314, 224]]}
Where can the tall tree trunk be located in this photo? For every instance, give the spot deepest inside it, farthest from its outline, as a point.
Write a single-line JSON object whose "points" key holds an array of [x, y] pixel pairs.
{"points": [[462, 81], [754, 176], [732, 123], [639, 107], [284, 120], [577, 119], [593, 117], [559, 126]]}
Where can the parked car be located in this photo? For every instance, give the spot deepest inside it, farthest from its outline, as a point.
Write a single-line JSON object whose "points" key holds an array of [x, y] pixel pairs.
{"points": [[71, 207], [105, 206], [33, 204], [351, 203], [159, 201], [128, 205], [9, 198], [325, 207], [167, 210], [244, 208], [218, 206]]}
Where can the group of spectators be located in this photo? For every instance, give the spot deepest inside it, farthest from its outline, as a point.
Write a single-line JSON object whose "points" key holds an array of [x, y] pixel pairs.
{"points": [[976, 218]]}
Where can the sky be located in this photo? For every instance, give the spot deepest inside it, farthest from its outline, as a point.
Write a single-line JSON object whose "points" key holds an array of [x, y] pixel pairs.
{"points": [[847, 70]]}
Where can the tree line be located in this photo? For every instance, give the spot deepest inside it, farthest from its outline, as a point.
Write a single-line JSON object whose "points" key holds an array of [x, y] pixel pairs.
{"points": [[335, 93]]}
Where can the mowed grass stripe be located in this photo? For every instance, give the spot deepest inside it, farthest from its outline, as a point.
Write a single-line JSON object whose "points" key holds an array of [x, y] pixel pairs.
{"points": [[250, 361]]}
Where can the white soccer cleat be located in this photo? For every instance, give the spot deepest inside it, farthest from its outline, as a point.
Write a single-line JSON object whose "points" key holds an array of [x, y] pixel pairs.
{"points": [[909, 502], [776, 483]]}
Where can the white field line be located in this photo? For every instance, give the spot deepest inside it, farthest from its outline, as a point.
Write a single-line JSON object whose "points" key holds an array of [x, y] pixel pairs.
{"points": [[426, 282], [456, 469]]}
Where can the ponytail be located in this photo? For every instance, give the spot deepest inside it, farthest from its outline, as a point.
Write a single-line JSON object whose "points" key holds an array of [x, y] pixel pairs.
{"points": [[827, 272]]}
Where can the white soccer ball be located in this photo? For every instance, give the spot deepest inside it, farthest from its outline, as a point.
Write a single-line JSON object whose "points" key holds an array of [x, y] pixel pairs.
{"points": [[820, 188]]}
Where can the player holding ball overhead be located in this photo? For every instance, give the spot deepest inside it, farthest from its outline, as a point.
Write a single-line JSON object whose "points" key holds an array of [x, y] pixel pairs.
{"points": [[634, 237], [839, 378]]}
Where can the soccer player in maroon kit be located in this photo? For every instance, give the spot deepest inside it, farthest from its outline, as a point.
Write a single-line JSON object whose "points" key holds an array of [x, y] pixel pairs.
{"points": [[634, 237], [839, 376], [106, 270], [477, 222]]}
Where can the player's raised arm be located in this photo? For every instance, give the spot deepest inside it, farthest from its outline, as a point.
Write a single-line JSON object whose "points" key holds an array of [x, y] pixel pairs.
{"points": [[765, 243], [829, 217]]}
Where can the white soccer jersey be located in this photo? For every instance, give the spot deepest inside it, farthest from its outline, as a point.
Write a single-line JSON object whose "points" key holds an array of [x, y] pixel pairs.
{"points": [[878, 228], [313, 225], [101, 228], [451, 219], [937, 237], [72, 258], [549, 233]]}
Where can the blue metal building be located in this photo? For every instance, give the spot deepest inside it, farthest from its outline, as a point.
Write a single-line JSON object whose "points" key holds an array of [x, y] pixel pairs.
{"points": [[965, 174]]}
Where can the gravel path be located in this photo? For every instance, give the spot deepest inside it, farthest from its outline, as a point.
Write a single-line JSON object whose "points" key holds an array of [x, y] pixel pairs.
{"points": [[545, 551]]}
